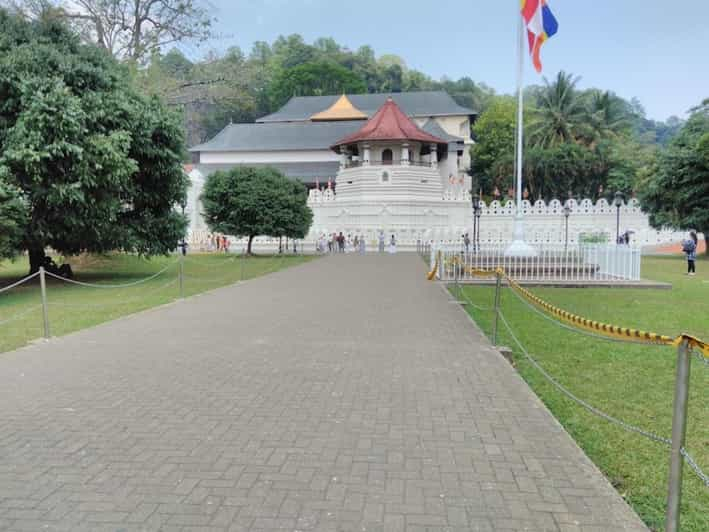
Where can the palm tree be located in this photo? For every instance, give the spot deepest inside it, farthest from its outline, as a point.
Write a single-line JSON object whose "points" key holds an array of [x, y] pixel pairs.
{"points": [[560, 115], [607, 117]]}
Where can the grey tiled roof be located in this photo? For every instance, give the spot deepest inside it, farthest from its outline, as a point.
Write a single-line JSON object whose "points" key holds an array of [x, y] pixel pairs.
{"points": [[279, 136], [305, 172], [434, 128], [423, 103]]}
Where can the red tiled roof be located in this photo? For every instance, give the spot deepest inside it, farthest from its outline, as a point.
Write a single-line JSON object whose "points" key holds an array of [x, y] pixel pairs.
{"points": [[388, 123]]}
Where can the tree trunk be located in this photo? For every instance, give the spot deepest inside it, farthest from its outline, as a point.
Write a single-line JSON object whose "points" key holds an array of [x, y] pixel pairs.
{"points": [[36, 256], [248, 249]]}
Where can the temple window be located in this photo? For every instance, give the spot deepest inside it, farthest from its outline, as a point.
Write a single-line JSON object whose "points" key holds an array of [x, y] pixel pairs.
{"points": [[385, 176], [387, 156]]}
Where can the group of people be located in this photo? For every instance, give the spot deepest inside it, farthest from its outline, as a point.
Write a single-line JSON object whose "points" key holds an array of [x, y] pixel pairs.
{"points": [[218, 243], [339, 243]]}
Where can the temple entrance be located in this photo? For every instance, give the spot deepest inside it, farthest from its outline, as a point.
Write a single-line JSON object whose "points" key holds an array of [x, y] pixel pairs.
{"points": [[387, 156]]}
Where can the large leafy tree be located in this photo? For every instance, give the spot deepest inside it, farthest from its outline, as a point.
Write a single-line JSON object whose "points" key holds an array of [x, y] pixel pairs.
{"points": [[493, 151], [97, 166], [676, 194], [128, 29], [248, 202], [314, 79]]}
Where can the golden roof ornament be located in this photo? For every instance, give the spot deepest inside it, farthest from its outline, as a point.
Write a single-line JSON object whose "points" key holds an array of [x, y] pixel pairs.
{"points": [[342, 109]]}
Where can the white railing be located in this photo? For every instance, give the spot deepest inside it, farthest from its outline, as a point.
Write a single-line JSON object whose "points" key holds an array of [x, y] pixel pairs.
{"points": [[552, 262]]}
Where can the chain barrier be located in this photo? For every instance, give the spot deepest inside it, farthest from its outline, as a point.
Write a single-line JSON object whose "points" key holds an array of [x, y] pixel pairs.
{"points": [[570, 395], [18, 283], [695, 467], [106, 285], [615, 331], [688, 347], [120, 302]]}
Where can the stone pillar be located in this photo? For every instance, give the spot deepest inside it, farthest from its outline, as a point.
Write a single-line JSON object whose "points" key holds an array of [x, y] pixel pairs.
{"points": [[343, 158], [434, 156], [365, 155], [405, 154]]}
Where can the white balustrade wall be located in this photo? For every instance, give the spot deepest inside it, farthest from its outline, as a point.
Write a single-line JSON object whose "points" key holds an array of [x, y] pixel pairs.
{"points": [[446, 220]]}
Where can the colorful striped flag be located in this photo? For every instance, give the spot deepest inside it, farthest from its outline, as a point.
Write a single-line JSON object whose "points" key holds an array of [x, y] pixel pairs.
{"points": [[541, 25]]}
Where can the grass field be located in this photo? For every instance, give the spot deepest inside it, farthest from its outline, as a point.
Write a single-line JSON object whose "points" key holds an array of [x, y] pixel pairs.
{"points": [[73, 307], [632, 382]]}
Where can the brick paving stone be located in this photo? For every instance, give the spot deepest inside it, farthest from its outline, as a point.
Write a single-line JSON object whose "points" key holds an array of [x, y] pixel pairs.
{"points": [[342, 394]]}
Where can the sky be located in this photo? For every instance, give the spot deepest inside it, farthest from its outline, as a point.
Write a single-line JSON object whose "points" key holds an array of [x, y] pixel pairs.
{"points": [[655, 50]]}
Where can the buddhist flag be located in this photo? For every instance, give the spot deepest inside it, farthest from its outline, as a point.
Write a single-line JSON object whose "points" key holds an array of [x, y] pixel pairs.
{"points": [[541, 25]]}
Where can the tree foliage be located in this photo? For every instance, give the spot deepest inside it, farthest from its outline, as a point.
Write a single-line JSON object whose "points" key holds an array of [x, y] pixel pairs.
{"points": [[314, 79], [248, 202], [580, 143], [13, 217], [676, 193], [242, 86], [97, 165], [130, 29]]}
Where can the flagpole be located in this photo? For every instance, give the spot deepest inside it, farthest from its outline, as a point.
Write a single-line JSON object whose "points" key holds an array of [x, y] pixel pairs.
{"points": [[518, 247], [520, 111]]}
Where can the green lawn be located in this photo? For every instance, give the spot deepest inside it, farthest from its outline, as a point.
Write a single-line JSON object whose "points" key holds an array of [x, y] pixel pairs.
{"points": [[74, 307], [632, 382]]}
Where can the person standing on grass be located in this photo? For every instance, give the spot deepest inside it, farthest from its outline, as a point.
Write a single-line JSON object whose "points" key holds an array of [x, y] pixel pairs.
{"points": [[690, 248]]}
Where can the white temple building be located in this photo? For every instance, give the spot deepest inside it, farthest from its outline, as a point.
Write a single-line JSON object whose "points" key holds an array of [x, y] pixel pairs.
{"points": [[395, 164]]}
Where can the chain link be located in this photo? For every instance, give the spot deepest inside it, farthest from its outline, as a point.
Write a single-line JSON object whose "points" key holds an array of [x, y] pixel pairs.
{"points": [[123, 301], [576, 329], [126, 285], [469, 302], [627, 426], [695, 467], [18, 283]]}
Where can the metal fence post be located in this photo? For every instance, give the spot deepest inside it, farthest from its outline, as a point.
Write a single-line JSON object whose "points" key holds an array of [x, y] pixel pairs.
{"points": [[455, 275], [498, 286], [45, 310], [679, 428], [182, 276]]}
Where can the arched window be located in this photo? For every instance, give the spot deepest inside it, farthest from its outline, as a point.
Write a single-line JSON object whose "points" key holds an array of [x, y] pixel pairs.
{"points": [[387, 156]]}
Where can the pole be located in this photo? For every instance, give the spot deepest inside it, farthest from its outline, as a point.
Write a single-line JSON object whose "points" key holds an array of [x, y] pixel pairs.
{"points": [[182, 276], [243, 259], [45, 310], [679, 428], [566, 234], [498, 286], [520, 114]]}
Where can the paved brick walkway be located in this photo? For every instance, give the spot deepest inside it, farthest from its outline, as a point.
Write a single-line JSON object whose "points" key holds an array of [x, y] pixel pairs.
{"points": [[344, 394]]}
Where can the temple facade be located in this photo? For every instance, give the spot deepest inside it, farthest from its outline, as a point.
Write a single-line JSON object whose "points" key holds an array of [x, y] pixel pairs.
{"points": [[298, 140], [395, 164]]}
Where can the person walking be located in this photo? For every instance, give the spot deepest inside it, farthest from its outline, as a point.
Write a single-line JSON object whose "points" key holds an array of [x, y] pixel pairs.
{"points": [[392, 245], [341, 242], [466, 242], [690, 249], [362, 246], [381, 241]]}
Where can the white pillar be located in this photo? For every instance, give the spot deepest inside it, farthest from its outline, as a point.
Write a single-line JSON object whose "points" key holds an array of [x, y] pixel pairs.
{"points": [[434, 156], [343, 158], [365, 155], [405, 154]]}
